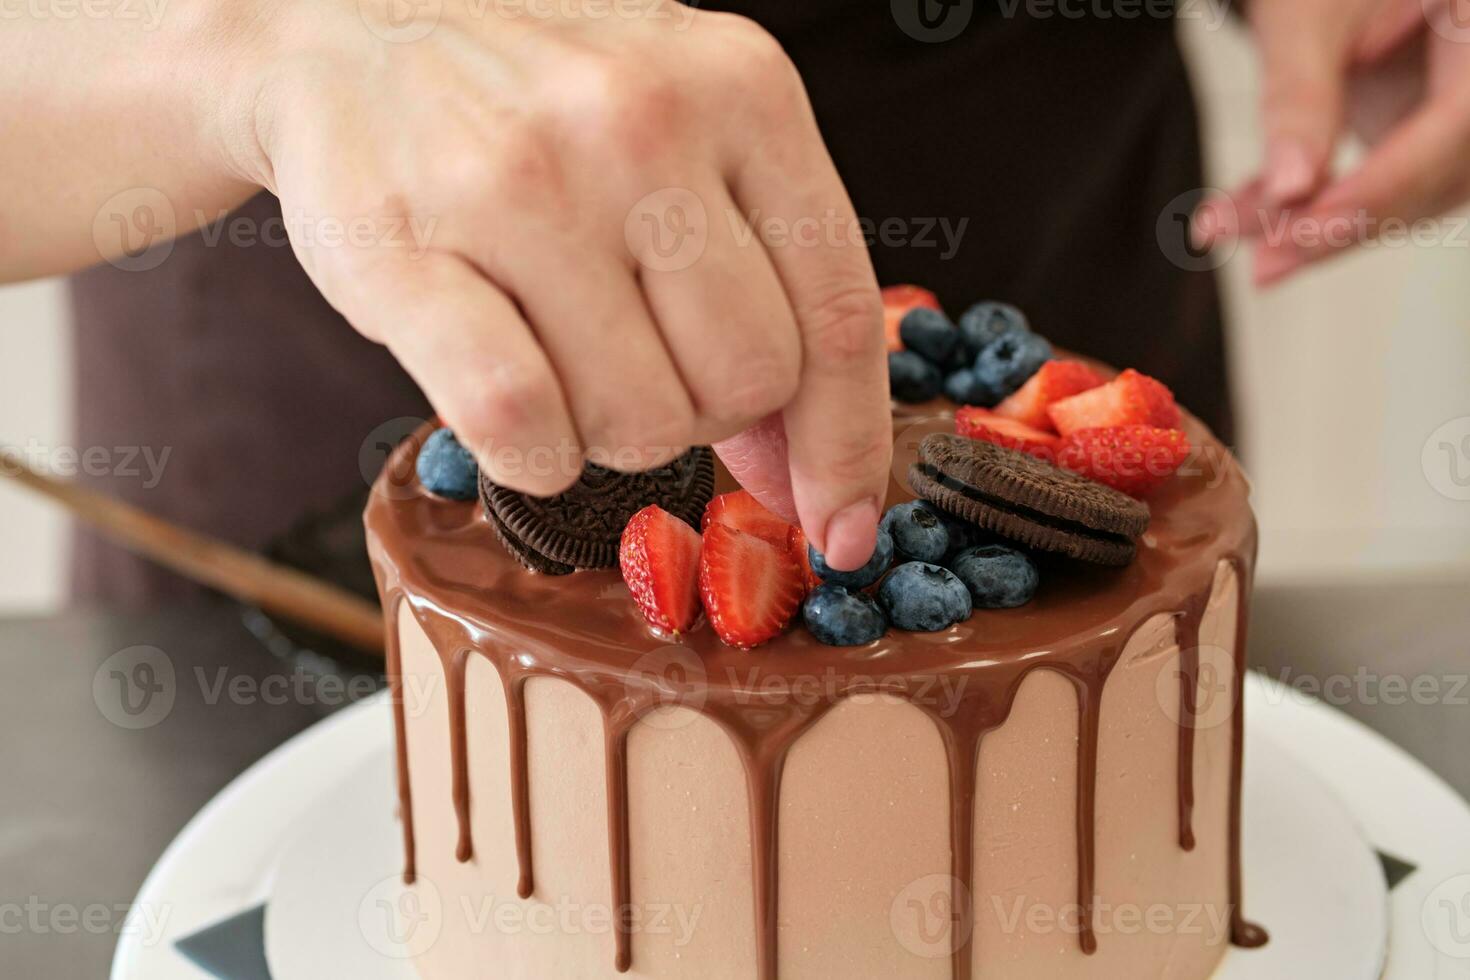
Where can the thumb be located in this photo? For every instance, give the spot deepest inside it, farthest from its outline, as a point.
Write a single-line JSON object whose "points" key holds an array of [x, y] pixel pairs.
{"points": [[758, 460], [1305, 52]]}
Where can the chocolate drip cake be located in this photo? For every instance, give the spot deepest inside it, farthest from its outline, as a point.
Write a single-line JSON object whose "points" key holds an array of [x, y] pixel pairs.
{"points": [[1047, 791]]}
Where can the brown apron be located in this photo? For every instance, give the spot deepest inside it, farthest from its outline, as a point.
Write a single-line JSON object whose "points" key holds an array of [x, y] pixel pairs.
{"points": [[1027, 158]]}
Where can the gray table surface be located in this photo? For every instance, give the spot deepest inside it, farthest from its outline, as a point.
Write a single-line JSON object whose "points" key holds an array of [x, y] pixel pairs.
{"points": [[91, 794]]}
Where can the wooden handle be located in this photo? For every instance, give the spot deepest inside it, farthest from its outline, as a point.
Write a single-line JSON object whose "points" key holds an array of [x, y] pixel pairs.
{"points": [[234, 571]]}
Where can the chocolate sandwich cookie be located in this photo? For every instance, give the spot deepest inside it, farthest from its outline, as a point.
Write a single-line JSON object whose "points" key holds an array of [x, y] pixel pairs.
{"points": [[1028, 500], [581, 527]]}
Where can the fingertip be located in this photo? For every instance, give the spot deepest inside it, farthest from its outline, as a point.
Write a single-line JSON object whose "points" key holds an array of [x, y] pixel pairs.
{"points": [[850, 535], [1291, 172]]}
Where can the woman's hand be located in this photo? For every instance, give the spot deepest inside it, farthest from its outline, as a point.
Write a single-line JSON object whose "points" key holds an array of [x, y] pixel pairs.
{"points": [[1398, 72], [628, 238]]}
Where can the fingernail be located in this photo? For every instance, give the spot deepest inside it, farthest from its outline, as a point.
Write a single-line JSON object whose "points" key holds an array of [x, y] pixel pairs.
{"points": [[851, 535], [1291, 174]]}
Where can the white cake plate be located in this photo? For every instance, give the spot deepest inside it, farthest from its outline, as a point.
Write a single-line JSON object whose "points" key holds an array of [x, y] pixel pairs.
{"points": [[1322, 793]]}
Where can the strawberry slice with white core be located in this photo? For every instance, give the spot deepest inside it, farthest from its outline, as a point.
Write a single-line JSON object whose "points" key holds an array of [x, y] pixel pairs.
{"points": [[659, 557], [898, 300], [1054, 381], [741, 511], [751, 587], [1129, 399], [987, 426]]}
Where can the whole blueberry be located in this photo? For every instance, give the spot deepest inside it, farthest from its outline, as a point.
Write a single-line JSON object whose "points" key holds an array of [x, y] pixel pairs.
{"points": [[859, 578], [918, 531], [924, 598], [983, 323], [447, 468], [911, 378], [997, 577], [929, 334], [964, 387], [1010, 360], [839, 617]]}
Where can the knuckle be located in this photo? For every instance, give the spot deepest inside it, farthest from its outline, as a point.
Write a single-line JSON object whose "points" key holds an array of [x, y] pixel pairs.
{"points": [[755, 61], [522, 165], [761, 389], [632, 110], [846, 327], [509, 399]]}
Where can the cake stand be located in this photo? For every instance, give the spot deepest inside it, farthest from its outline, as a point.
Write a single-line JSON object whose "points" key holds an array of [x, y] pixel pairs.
{"points": [[1356, 857]]}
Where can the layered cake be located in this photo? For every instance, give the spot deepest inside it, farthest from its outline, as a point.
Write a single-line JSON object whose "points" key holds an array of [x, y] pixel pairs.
{"points": [[642, 730]]}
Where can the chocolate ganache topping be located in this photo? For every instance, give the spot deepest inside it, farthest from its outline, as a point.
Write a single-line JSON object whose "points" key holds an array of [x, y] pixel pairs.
{"points": [[440, 561]]}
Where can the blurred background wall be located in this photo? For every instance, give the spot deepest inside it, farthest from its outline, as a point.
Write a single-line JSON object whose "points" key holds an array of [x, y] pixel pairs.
{"points": [[1342, 377]]}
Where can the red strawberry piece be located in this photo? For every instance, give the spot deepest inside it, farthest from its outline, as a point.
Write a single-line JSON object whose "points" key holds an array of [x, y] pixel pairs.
{"points": [[985, 425], [1129, 399], [751, 588], [1054, 381], [796, 544], [741, 511], [1135, 459], [659, 555], [898, 300]]}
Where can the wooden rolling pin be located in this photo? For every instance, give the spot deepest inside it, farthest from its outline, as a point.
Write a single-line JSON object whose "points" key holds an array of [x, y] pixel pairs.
{"points": [[241, 574]]}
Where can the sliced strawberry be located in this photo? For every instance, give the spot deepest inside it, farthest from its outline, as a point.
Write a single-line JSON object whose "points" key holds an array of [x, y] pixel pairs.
{"points": [[1129, 399], [796, 544], [659, 555], [898, 300], [983, 424], [1054, 381], [1135, 459], [751, 588], [743, 512]]}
